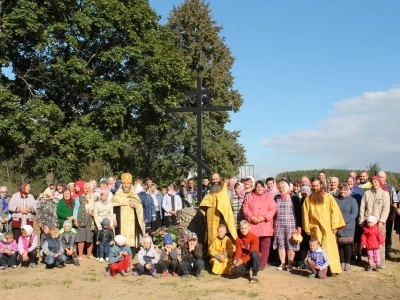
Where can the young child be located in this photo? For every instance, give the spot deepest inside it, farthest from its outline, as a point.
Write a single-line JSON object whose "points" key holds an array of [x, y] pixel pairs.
{"points": [[221, 252], [237, 203], [54, 250], [27, 244], [168, 257], [317, 260], [45, 234], [105, 236], [148, 258], [372, 239], [8, 251], [68, 237], [120, 257], [247, 254], [192, 254]]}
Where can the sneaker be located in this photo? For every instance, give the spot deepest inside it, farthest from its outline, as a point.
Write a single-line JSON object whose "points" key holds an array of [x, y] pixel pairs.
{"points": [[123, 273], [175, 274], [155, 275], [368, 268], [280, 268], [185, 276], [14, 267], [100, 260], [312, 275], [378, 267], [347, 267], [253, 280], [165, 273], [107, 259], [289, 268], [107, 273], [33, 265], [135, 274], [3, 267]]}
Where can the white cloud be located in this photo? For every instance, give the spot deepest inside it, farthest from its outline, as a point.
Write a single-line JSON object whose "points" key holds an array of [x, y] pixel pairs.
{"points": [[357, 132]]}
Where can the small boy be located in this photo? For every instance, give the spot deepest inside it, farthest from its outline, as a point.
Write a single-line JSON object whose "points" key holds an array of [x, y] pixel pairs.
{"points": [[247, 252], [372, 239], [54, 250], [168, 257], [221, 251], [120, 257], [8, 251], [105, 236], [68, 238], [317, 260], [148, 258], [43, 236], [192, 254]]}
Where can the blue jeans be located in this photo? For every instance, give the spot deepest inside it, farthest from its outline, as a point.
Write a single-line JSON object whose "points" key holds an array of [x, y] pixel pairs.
{"points": [[59, 260], [8, 260], [104, 248]]}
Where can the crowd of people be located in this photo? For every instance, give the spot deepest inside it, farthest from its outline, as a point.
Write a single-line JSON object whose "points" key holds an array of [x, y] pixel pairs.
{"points": [[319, 224]]}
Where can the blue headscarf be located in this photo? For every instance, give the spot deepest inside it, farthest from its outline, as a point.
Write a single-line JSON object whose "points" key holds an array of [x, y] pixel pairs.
{"points": [[4, 204]]}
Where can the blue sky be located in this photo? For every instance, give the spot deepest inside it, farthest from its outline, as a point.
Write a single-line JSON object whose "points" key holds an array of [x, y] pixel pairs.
{"points": [[320, 81]]}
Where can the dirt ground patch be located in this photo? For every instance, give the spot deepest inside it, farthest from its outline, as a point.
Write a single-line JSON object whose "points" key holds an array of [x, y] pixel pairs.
{"points": [[88, 281]]}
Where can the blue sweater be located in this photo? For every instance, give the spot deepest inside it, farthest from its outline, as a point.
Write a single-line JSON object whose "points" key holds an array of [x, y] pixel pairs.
{"points": [[349, 208]]}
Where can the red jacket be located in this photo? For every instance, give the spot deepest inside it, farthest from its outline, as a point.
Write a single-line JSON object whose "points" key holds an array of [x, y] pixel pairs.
{"points": [[372, 237]]}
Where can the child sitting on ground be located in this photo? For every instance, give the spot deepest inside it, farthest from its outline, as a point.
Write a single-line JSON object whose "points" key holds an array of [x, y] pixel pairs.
{"points": [[372, 239], [120, 257], [68, 237], [8, 251], [247, 254], [148, 258], [45, 234], [221, 251], [105, 236], [168, 257], [53, 249], [192, 254], [317, 260], [27, 244]]}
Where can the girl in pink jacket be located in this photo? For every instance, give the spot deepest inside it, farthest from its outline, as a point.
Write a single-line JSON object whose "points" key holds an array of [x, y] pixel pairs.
{"points": [[259, 209]]}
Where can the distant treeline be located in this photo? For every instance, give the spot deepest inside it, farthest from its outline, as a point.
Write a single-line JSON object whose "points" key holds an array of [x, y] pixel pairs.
{"points": [[342, 174]]}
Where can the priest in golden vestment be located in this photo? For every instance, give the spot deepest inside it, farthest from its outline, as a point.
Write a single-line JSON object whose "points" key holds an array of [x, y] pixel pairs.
{"points": [[129, 212], [322, 218], [216, 207]]}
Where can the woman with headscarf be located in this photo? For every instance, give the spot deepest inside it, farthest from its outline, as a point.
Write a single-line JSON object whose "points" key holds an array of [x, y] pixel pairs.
{"points": [[65, 208], [376, 202], [322, 218], [83, 217], [287, 221], [270, 186], [259, 209], [345, 237], [22, 206], [46, 209]]}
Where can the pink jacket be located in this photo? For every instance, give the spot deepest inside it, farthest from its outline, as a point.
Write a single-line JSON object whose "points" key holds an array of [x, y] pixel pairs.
{"points": [[260, 205]]}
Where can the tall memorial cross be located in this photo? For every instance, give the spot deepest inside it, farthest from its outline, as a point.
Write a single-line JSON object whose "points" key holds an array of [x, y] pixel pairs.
{"points": [[198, 110]]}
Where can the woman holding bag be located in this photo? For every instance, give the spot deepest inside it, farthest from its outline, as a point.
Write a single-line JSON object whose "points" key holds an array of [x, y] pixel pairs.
{"points": [[22, 206]]}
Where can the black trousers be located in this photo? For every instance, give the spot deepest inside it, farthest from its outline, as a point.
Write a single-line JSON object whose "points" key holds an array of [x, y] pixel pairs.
{"points": [[388, 239], [170, 220], [253, 263], [165, 265], [32, 258], [185, 267], [345, 252]]}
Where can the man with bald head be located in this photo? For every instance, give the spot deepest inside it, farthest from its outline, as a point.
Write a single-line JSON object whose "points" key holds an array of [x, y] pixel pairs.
{"points": [[334, 187], [365, 184], [305, 181], [216, 207], [394, 201]]}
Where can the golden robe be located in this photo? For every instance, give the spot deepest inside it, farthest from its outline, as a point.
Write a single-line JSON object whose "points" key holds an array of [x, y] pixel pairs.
{"points": [[224, 247], [320, 220], [131, 220], [216, 206]]}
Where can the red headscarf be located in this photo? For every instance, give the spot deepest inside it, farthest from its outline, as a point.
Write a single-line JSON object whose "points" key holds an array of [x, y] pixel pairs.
{"points": [[81, 185], [21, 187], [383, 186]]}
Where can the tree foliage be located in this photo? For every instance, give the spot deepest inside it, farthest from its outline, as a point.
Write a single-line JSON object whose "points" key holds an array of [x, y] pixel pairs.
{"points": [[206, 55]]}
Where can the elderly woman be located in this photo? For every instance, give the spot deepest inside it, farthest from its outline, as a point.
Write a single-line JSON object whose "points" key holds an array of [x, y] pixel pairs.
{"points": [[22, 206], [259, 209], [5, 215], [376, 202], [46, 209], [287, 222], [345, 237], [83, 218], [322, 218], [65, 208]]}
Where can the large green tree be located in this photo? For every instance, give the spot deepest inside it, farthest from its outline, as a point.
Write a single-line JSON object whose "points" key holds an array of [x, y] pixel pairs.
{"points": [[86, 83], [197, 36]]}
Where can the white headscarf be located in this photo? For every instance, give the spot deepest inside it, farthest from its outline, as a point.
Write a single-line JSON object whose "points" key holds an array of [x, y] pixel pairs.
{"points": [[28, 229], [120, 240]]}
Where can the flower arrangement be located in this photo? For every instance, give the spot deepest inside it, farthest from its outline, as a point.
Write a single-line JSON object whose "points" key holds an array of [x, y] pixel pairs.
{"points": [[178, 233]]}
